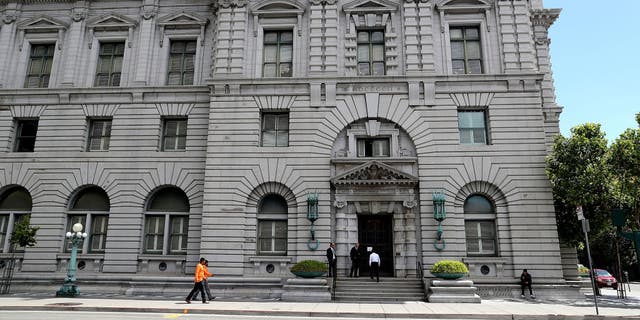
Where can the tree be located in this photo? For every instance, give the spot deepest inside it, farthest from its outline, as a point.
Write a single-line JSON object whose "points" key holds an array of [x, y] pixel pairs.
{"points": [[24, 235], [624, 163], [579, 176]]}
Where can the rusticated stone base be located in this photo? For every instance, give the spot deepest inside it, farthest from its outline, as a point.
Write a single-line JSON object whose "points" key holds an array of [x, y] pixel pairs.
{"points": [[453, 291]]}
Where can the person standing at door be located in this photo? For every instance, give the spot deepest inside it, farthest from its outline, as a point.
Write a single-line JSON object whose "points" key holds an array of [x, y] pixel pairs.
{"points": [[332, 259], [355, 260], [374, 265]]}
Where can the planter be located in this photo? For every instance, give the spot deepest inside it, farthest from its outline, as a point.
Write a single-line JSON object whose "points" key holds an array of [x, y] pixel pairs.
{"points": [[449, 276], [308, 274]]}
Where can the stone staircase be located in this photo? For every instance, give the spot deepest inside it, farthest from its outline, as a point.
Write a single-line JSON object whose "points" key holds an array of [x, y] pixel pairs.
{"points": [[363, 289]]}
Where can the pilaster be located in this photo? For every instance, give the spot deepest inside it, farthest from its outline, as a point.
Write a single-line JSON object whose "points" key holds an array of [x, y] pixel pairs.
{"points": [[230, 37], [418, 29], [74, 43], [323, 37], [149, 13], [7, 40], [508, 36]]}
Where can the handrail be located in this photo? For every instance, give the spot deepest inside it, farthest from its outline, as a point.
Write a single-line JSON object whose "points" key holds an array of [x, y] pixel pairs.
{"points": [[420, 274]]}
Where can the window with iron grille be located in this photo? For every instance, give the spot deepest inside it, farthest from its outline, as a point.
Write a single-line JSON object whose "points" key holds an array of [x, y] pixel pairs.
{"points": [[174, 134], [26, 131], [99, 134], [109, 68], [39, 67], [182, 55], [371, 53], [472, 127], [275, 129], [466, 53], [277, 54]]}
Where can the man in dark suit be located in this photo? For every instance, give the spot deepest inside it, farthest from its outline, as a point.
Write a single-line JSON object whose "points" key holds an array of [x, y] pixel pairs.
{"points": [[355, 260], [332, 259]]}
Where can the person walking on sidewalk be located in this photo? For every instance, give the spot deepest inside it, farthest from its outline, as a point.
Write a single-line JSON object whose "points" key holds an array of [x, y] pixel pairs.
{"points": [[205, 283], [374, 265], [332, 259], [200, 274], [355, 260], [525, 281]]}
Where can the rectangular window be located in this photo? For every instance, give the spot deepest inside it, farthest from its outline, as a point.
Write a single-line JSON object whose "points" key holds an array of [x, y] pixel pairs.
{"points": [[272, 237], [182, 55], [109, 64], [98, 238], [99, 134], [275, 129], [154, 234], [178, 234], [278, 54], [4, 228], [373, 147], [466, 53], [371, 53], [174, 134], [472, 127], [71, 220], [26, 131], [480, 237], [39, 67]]}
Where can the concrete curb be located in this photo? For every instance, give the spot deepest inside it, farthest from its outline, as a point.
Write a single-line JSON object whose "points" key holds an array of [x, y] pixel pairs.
{"points": [[312, 314]]}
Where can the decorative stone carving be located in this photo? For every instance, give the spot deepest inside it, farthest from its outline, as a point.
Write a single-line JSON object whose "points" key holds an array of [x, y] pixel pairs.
{"points": [[409, 203], [339, 204], [149, 9], [545, 17], [323, 2], [374, 172], [79, 13], [10, 17], [232, 3]]}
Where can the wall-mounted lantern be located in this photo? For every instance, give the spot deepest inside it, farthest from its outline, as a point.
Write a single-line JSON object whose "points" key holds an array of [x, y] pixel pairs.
{"points": [[439, 214], [312, 215]]}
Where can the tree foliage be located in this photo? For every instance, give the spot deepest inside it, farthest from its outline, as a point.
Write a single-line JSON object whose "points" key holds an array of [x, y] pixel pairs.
{"points": [[624, 163], [579, 176], [24, 235]]}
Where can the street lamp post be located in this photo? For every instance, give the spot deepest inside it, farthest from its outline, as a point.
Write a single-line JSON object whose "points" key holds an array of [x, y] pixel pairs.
{"points": [[69, 288]]}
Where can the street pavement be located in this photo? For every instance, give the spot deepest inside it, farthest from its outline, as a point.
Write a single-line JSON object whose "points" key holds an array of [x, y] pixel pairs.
{"points": [[610, 307]]}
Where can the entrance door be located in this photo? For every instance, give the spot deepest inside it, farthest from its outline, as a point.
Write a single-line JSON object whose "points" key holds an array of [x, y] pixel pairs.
{"points": [[376, 231]]}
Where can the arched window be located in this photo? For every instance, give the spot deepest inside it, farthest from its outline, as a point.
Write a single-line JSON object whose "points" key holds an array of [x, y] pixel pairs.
{"points": [[15, 205], [480, 227], [166, 226], [90, 207], [272, 225]]}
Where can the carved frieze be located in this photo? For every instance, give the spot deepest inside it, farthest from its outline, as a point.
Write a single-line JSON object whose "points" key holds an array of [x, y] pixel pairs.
{"points": [[232, 3], [374, 173], [323, 2]]}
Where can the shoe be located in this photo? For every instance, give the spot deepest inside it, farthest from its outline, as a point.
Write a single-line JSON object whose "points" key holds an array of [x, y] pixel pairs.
{"points": [[205, 301], [211, 298], [187, 301], [533, 296], [522, 296]]}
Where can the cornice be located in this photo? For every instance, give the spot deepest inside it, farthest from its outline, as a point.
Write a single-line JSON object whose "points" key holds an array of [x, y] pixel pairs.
{"points": [[544, 17]]}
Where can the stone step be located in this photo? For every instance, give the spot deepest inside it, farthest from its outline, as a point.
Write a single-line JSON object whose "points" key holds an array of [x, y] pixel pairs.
{"points": [[388, 289]]}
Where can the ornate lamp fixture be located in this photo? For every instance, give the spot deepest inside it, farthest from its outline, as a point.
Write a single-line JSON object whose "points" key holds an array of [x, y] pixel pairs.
{"points": [[69, 288], [439, 214], [312, 215]]}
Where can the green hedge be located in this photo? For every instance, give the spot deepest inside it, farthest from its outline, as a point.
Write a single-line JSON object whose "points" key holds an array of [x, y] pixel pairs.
{"points": [[309, 266], [449, 266]]}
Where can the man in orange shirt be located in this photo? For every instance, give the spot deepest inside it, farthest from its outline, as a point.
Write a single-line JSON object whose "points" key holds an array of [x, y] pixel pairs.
{"points": [[199, 276]]}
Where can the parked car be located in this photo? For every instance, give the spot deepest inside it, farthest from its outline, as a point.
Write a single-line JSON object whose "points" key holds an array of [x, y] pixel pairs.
{"points": [[605, 279]]}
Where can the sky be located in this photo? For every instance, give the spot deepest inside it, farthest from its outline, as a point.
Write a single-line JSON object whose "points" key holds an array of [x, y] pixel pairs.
{"points": [[595, 56]]}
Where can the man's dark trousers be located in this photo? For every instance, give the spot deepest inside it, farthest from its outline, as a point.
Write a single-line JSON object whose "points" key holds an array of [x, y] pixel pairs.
{"points": [[375, 270], [198, 286]]}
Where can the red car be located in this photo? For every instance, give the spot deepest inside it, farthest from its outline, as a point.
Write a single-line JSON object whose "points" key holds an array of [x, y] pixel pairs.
{"points": [[605, 279]]}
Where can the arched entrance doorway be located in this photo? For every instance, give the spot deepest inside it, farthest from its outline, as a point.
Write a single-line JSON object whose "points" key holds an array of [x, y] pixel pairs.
{"points": [[374, 188]]}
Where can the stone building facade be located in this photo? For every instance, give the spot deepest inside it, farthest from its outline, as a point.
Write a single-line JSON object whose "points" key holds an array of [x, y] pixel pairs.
{"points": [[179, 129]]}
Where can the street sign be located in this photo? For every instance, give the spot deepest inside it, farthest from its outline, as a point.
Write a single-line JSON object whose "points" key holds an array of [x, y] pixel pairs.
{"points": [[579, 213]]}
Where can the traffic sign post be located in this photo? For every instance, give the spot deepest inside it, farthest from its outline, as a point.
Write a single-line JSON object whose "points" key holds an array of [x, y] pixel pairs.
{"points": [[585, 228]]}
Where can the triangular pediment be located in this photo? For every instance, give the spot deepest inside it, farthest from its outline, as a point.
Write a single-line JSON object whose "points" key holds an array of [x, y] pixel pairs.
{"points": [[42, 23], [464, 5], [369, 5], [111, 21], [182, 19], [375, 173]]}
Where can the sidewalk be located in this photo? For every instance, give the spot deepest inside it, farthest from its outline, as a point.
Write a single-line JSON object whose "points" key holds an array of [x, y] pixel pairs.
{"points": [[610, 307]]}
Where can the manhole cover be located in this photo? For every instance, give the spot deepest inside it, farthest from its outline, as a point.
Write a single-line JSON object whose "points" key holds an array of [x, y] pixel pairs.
{"points": [[64, 304]]}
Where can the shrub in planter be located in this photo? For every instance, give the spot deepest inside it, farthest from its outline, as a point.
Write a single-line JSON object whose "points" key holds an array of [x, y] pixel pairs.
{"points": [[309, 268], [449, 269]]}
